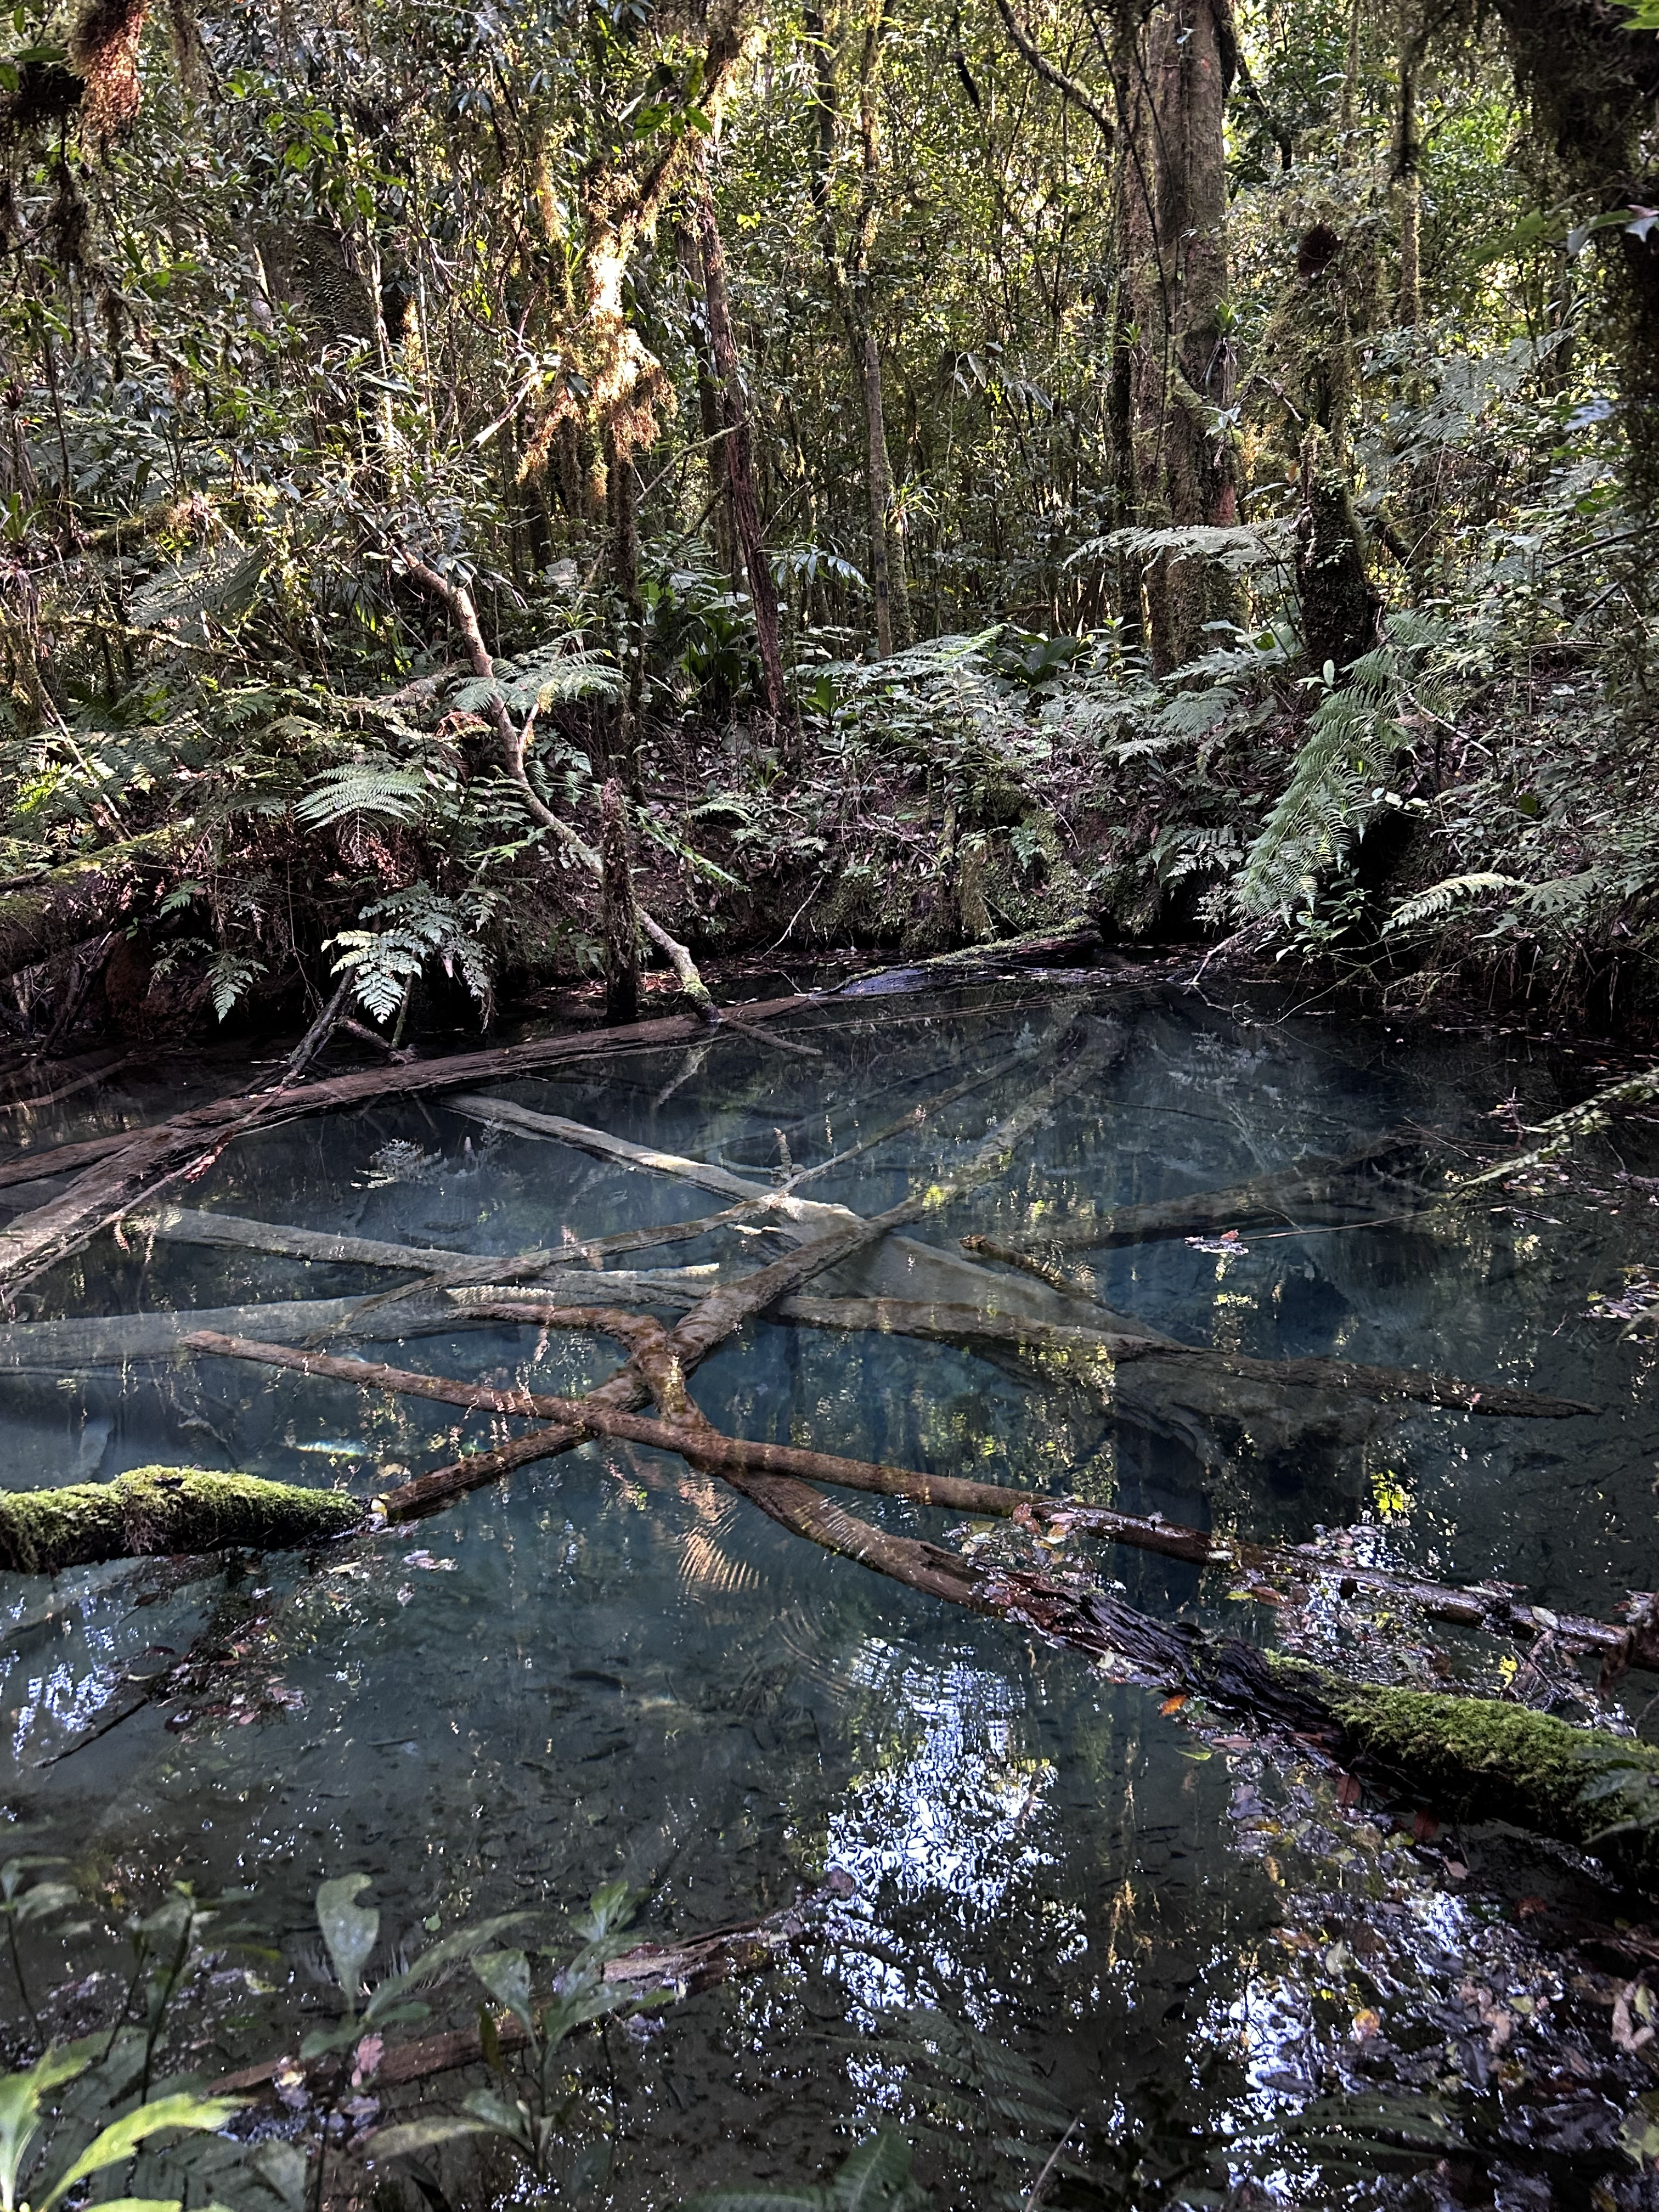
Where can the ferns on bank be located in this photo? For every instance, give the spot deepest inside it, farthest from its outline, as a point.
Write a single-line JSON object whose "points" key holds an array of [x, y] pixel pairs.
{"points": [[418, 924], [1343, 764], [374, 784]]}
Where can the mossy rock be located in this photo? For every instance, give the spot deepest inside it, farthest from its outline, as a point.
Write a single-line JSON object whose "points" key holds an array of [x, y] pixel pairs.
{"points": [[159, 1510]]}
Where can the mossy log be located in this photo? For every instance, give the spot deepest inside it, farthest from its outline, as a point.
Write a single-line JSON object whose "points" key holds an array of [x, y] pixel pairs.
{"points": [[82, 899], [1483, 1759], [160, 1509]]}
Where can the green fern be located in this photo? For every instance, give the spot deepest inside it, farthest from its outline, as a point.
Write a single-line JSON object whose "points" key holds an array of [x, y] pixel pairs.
{"points": [[1435, 903], [554, 675], [229, 976], [1353, 739], [373, 785], [1234, 549], [420, 924]]}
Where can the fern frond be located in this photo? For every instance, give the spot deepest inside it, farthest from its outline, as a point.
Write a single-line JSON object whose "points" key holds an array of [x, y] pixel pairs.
{"points": [[420, 924], [1234, 549], [1440, 898], [373, 786]]}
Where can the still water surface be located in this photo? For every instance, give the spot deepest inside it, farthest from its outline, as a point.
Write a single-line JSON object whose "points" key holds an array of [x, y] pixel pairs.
{"points": [[1071, 1909]]}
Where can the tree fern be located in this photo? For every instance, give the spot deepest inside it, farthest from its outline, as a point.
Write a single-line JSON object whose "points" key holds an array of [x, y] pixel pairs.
{"points": [[557, 674], [1234, 548]]}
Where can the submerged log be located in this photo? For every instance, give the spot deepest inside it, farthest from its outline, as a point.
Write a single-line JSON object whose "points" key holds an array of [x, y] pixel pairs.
{"points": [[443, 1264], [701, 1962], [117, 1172], [57, 1347], [1093, 1357], [662, 1358], [1373, 1183], [1483, 1759], [162, 1510]]}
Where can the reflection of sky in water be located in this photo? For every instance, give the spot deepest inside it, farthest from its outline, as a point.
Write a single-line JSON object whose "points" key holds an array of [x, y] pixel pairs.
{"points": [[949, 1808]]}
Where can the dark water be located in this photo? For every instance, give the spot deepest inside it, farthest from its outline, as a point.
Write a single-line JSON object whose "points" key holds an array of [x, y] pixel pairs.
{"points": [[1075, 1915]]}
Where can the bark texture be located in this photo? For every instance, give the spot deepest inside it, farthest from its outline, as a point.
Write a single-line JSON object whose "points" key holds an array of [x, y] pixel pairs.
{"points": [[1174, 74]]}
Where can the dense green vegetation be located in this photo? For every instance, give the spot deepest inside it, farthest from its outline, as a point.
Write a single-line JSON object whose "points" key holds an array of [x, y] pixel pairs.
{"points": [[951, 469]]}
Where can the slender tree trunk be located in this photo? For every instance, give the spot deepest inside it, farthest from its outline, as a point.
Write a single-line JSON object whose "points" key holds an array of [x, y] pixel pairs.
{"points": [[1408, 182], [741, 455], [1172, 218], [621, 501], [849, 277], [708, 412], [621, 921]]}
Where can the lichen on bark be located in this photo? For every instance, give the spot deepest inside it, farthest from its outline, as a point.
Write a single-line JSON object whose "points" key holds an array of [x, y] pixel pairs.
{"points": [[159, 1510]]}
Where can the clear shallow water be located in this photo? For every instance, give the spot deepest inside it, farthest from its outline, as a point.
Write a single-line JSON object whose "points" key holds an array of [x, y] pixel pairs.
{"points": [[610, 1667]]}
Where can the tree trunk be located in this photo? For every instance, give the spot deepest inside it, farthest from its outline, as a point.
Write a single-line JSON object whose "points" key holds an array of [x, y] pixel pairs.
{"points": [[849, 278], [1172, 218], [739, 454], [621, 921], [708, 413], [1592, 81], [1407, 179], [1342, 608], [621, 502]]}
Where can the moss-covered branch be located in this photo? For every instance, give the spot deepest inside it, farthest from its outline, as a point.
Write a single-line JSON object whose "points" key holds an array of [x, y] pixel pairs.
{"points": [[158, 1510]]}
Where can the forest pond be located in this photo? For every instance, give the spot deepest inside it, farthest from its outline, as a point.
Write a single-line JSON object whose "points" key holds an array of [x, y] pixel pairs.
{"points": [[1144, 1956]]}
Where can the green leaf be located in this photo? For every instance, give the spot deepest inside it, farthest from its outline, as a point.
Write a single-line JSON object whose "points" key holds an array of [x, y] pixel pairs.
{"points": [[349, 1929], [876, 2173], [123, 2137], [438, 1958], [423, 2135], [505, 1975], [21, 2096]]}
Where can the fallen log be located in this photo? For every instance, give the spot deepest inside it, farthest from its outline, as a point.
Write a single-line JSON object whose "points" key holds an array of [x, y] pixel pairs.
{"points": [[71, 1076], [1481, 1758], [1079, 934], [164, 1509], [928, 1268], [57, 1347], [118, 1171], [442, 1264], [661, 1355]]}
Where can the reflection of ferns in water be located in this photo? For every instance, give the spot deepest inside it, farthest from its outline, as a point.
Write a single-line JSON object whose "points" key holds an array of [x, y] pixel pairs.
{"points": [[981, 2109]]}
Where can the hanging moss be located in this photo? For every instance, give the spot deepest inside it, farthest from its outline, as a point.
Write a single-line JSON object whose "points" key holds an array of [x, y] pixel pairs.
{"points": [[165, 1510], [1481, 1759]]}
